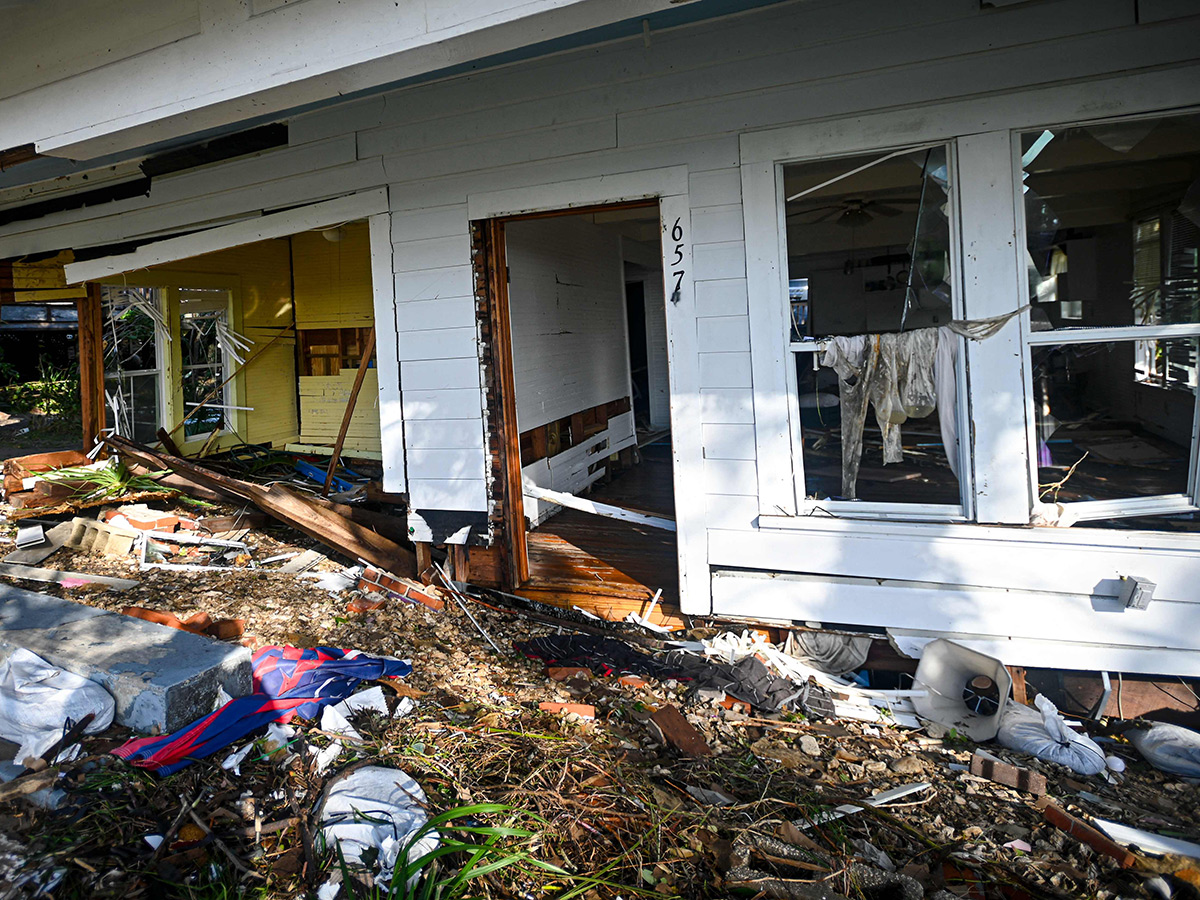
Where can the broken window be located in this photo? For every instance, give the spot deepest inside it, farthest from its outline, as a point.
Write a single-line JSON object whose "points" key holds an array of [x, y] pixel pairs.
{"points": [[166, 349], [134, 342], [871, 278], [203, 315], [1111, 216]]}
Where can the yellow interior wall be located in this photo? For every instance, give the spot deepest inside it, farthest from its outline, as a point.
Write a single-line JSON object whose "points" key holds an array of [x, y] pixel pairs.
{"points": [[332, 283], [268, 383], [333, 279]]}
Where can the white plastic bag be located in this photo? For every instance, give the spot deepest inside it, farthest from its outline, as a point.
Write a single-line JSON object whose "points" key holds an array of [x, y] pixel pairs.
{"points": [[1169, 748], [1043, 733], [38, 699], [376, 810]]}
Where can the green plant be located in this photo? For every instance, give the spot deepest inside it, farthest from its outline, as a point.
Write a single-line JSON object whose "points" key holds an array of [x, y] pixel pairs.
{"points": [[483, 849], [55, 394], [112, 479]]}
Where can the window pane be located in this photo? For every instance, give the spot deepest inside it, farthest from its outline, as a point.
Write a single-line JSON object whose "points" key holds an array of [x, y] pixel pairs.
{"points": [[137, 405], [859, 246], [869, 267], [922, 475], [198, 382], [129, 339], [1104, 433], [1111, 216], [201, 313]]}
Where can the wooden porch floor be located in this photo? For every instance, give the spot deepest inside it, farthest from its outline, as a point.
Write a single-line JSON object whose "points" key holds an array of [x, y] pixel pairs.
{"points": [[608, 567]]}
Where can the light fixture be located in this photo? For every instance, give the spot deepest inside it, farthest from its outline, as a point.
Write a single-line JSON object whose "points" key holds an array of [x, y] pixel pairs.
{"points": [[333, 235]]}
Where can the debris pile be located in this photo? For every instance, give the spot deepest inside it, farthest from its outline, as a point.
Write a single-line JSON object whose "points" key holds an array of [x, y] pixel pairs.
{"points": [[403, 733]]}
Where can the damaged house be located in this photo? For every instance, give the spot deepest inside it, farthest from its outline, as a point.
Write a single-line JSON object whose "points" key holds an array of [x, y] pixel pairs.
{"points": [[870, 316]]}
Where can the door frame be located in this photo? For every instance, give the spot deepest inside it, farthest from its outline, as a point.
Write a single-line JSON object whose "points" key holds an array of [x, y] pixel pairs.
{"points": [[668, 189]]}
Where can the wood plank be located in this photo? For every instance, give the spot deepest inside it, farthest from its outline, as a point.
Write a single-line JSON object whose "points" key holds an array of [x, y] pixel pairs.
{"points": [[91, 366], [55, 538], [67, 579], [368, 349]]}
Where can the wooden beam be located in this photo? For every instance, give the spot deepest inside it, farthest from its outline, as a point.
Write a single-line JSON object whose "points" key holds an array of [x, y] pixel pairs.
{"points": [[506, 416], [335, 458], [91, 365], [598, 509], [54, 295]]}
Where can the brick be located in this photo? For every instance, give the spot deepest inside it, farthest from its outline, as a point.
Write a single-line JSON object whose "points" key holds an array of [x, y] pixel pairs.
{"points": [[91, 536], [565, 673], [632, 681], [677, 731], [1008, 775], [583, 710], [375, 580]]}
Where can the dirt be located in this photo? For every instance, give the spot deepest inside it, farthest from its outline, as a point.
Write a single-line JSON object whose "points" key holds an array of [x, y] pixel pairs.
{"points": [[616, 812]]}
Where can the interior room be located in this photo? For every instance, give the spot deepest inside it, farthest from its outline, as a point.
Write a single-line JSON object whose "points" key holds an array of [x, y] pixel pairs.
{"points": [[1112, 217], [258, 344], [589, 352], [869, 253]]}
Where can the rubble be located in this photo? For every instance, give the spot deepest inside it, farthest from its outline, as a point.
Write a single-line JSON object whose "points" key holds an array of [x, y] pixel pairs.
{"points": [[635, 775]]}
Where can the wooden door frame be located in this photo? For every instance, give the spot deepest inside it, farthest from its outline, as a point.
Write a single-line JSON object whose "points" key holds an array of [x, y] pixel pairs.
{"points": [[514, 545]]}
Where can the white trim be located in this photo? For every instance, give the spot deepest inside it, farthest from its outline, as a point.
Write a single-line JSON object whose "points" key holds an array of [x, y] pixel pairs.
{"points": [[1122, 96], [669, 185], [1148, 541], [387, 353], [274, 225], [598, 191], [1112, 333], [561, 498]]}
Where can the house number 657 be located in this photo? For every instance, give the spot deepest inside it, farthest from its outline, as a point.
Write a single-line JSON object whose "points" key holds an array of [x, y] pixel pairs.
{"points": [[677, 237]]}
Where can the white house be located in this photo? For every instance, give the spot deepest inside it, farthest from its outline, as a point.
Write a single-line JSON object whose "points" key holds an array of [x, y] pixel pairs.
{"points": [[580, 227]]}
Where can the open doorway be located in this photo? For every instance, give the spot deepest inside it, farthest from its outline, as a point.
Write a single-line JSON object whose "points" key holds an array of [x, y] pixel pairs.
{"points": [[581, 356]]}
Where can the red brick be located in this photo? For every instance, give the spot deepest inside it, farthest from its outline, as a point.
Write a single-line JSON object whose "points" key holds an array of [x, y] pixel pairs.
{"points": [[583, 710]]}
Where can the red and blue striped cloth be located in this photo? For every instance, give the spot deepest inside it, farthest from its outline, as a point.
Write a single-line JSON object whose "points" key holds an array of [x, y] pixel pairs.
{"points": [[288, 682]]}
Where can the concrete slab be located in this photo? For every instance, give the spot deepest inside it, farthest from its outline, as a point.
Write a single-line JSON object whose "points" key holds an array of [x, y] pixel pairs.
{"points": [[161, 678]]}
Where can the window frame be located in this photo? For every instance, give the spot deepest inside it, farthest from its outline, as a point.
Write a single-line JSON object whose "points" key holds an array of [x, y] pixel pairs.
{"points": [[993, 276], [896, 511], [170, 284], [1123, 507]]}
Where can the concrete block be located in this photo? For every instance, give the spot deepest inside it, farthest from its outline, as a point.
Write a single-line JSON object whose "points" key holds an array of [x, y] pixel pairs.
{"points": [[161, 678], [92, 536]]}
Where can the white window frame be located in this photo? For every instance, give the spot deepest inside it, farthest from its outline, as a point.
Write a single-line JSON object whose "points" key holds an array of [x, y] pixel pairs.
{"points": [[992, 277], [907, 511], [1122, 507]]}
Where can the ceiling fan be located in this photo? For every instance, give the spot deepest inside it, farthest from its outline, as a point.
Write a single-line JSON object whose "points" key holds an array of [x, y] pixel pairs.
{"points": [[851, 213]]}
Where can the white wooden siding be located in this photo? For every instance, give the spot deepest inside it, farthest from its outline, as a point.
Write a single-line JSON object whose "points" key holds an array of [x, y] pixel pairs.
{"points": [[611, 112]]}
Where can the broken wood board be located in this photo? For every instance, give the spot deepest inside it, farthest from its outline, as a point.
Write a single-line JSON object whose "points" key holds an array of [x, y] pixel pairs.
{"points": [[66, 579], [394, 528], [533, 492], [676, 730], [611, 609]]}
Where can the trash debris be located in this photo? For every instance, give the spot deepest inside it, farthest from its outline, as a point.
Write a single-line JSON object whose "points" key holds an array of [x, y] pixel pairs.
{"points": [[987, 766], [1169, 748], [38, 701], [373, 814], [965, 690], [1043, 733], [287, 682]]}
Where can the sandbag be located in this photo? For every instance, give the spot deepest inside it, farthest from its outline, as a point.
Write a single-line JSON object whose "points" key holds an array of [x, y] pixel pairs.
{"points": [[371, 814], [1169, 748], [1043, 733], [38, 701]]}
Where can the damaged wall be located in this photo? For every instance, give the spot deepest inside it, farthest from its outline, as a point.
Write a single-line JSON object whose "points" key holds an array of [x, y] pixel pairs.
{"points": [[263, 284], [688, 99], [567, 306]]}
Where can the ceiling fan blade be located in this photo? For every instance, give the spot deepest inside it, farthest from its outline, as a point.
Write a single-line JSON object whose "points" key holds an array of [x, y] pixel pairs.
{"points": [[833, 213], [885, 210]]}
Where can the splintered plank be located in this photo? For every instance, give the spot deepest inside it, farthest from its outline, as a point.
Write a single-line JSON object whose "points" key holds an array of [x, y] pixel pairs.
{"points": [[679, 732], [53, 576]]}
